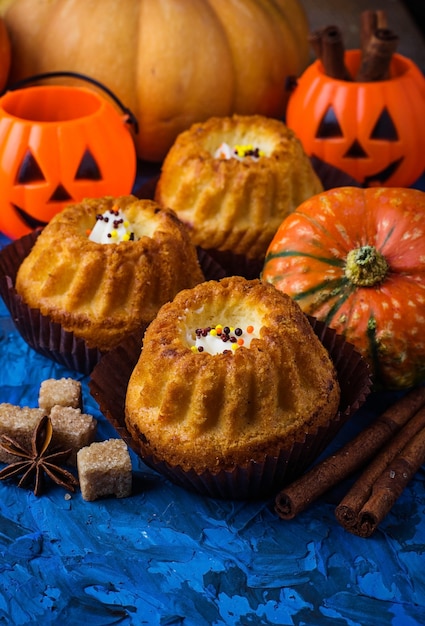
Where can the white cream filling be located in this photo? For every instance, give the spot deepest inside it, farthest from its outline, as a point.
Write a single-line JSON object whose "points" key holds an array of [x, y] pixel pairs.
{"points": [[112, 227], [219, 339]]}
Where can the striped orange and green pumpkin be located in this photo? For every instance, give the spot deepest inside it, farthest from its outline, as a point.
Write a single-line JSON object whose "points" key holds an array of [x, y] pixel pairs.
{"points": [[355, 259]]}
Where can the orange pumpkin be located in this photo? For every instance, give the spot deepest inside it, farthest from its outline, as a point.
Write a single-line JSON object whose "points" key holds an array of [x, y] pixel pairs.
{"points": [[373, 131], [59, 145], [5, 54], [355, 259], [172, 62]]}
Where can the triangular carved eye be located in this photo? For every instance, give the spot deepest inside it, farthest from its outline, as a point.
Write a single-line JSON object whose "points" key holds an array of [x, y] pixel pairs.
{"points": [[384, 128], [88, 168], [329, 126], [355, 151], [30, 171]]}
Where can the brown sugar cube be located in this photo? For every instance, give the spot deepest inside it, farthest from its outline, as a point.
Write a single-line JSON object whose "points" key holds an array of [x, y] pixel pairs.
{"points": [[62, 392], [104, 468], [72, 429], [18, 423]]}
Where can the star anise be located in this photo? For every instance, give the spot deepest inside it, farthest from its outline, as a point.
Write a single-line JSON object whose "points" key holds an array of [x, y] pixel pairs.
{"points": [[38, 461]]}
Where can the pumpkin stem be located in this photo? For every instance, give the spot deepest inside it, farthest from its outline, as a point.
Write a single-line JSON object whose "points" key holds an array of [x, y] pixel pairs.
{"points": [[365, 266]]}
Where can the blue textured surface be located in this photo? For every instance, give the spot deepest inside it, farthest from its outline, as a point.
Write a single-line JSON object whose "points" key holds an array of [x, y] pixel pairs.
{"points": [[166, 557]]}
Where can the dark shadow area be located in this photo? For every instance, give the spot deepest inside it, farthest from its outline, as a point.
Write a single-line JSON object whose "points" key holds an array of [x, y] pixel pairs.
{"points": [[416, 9]]}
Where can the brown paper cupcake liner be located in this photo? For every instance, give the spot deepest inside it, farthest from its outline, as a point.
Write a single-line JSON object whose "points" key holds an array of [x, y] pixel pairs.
{"points": [[39, 331], [108, 386], [237, 264]]}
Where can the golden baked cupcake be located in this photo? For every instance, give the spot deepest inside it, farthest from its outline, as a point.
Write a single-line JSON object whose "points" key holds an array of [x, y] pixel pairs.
{"points": [[103, 268], [232, 180], [231, 372]]}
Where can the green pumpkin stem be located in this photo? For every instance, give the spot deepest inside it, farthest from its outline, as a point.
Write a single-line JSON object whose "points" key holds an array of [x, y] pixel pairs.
{"points": [[365, 266]]}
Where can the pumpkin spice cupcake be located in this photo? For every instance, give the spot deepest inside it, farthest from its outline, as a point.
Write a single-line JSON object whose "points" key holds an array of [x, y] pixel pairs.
{"points": [[232, 180], [100, 270], [104, 266], [234, 390]]}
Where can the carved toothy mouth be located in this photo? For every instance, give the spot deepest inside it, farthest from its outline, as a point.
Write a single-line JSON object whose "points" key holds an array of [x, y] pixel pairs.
{"points": [[382, 176], [379, 178], [29, 220]]}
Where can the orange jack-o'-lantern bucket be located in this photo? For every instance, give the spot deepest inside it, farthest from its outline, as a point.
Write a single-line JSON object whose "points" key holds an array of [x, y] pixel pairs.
{"points": [[373, 131], [58, 145]]}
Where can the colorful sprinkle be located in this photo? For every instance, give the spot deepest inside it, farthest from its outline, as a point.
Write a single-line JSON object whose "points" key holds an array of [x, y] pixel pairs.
{"points": [[239, 151], [215, 339], [243, 151], [112, 226]]}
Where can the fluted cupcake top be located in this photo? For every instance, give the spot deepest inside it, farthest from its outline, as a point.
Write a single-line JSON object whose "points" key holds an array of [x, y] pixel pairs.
{"points": [[99, 292], [210, 409], [232, 181]]}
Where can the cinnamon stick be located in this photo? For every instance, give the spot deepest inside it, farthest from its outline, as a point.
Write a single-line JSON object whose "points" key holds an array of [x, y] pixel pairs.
{"points": [[329, 47], [371, 21], [378, 44], [381, 484], [377, 55], [297, 496], [349, 508]]}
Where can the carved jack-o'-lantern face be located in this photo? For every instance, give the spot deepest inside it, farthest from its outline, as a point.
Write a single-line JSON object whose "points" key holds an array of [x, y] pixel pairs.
{"points": [[30, 175], [372, 131], [58, 146]]}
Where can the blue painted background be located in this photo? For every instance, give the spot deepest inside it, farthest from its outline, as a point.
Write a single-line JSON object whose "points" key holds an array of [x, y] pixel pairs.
{"points": [[166, 557]]}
